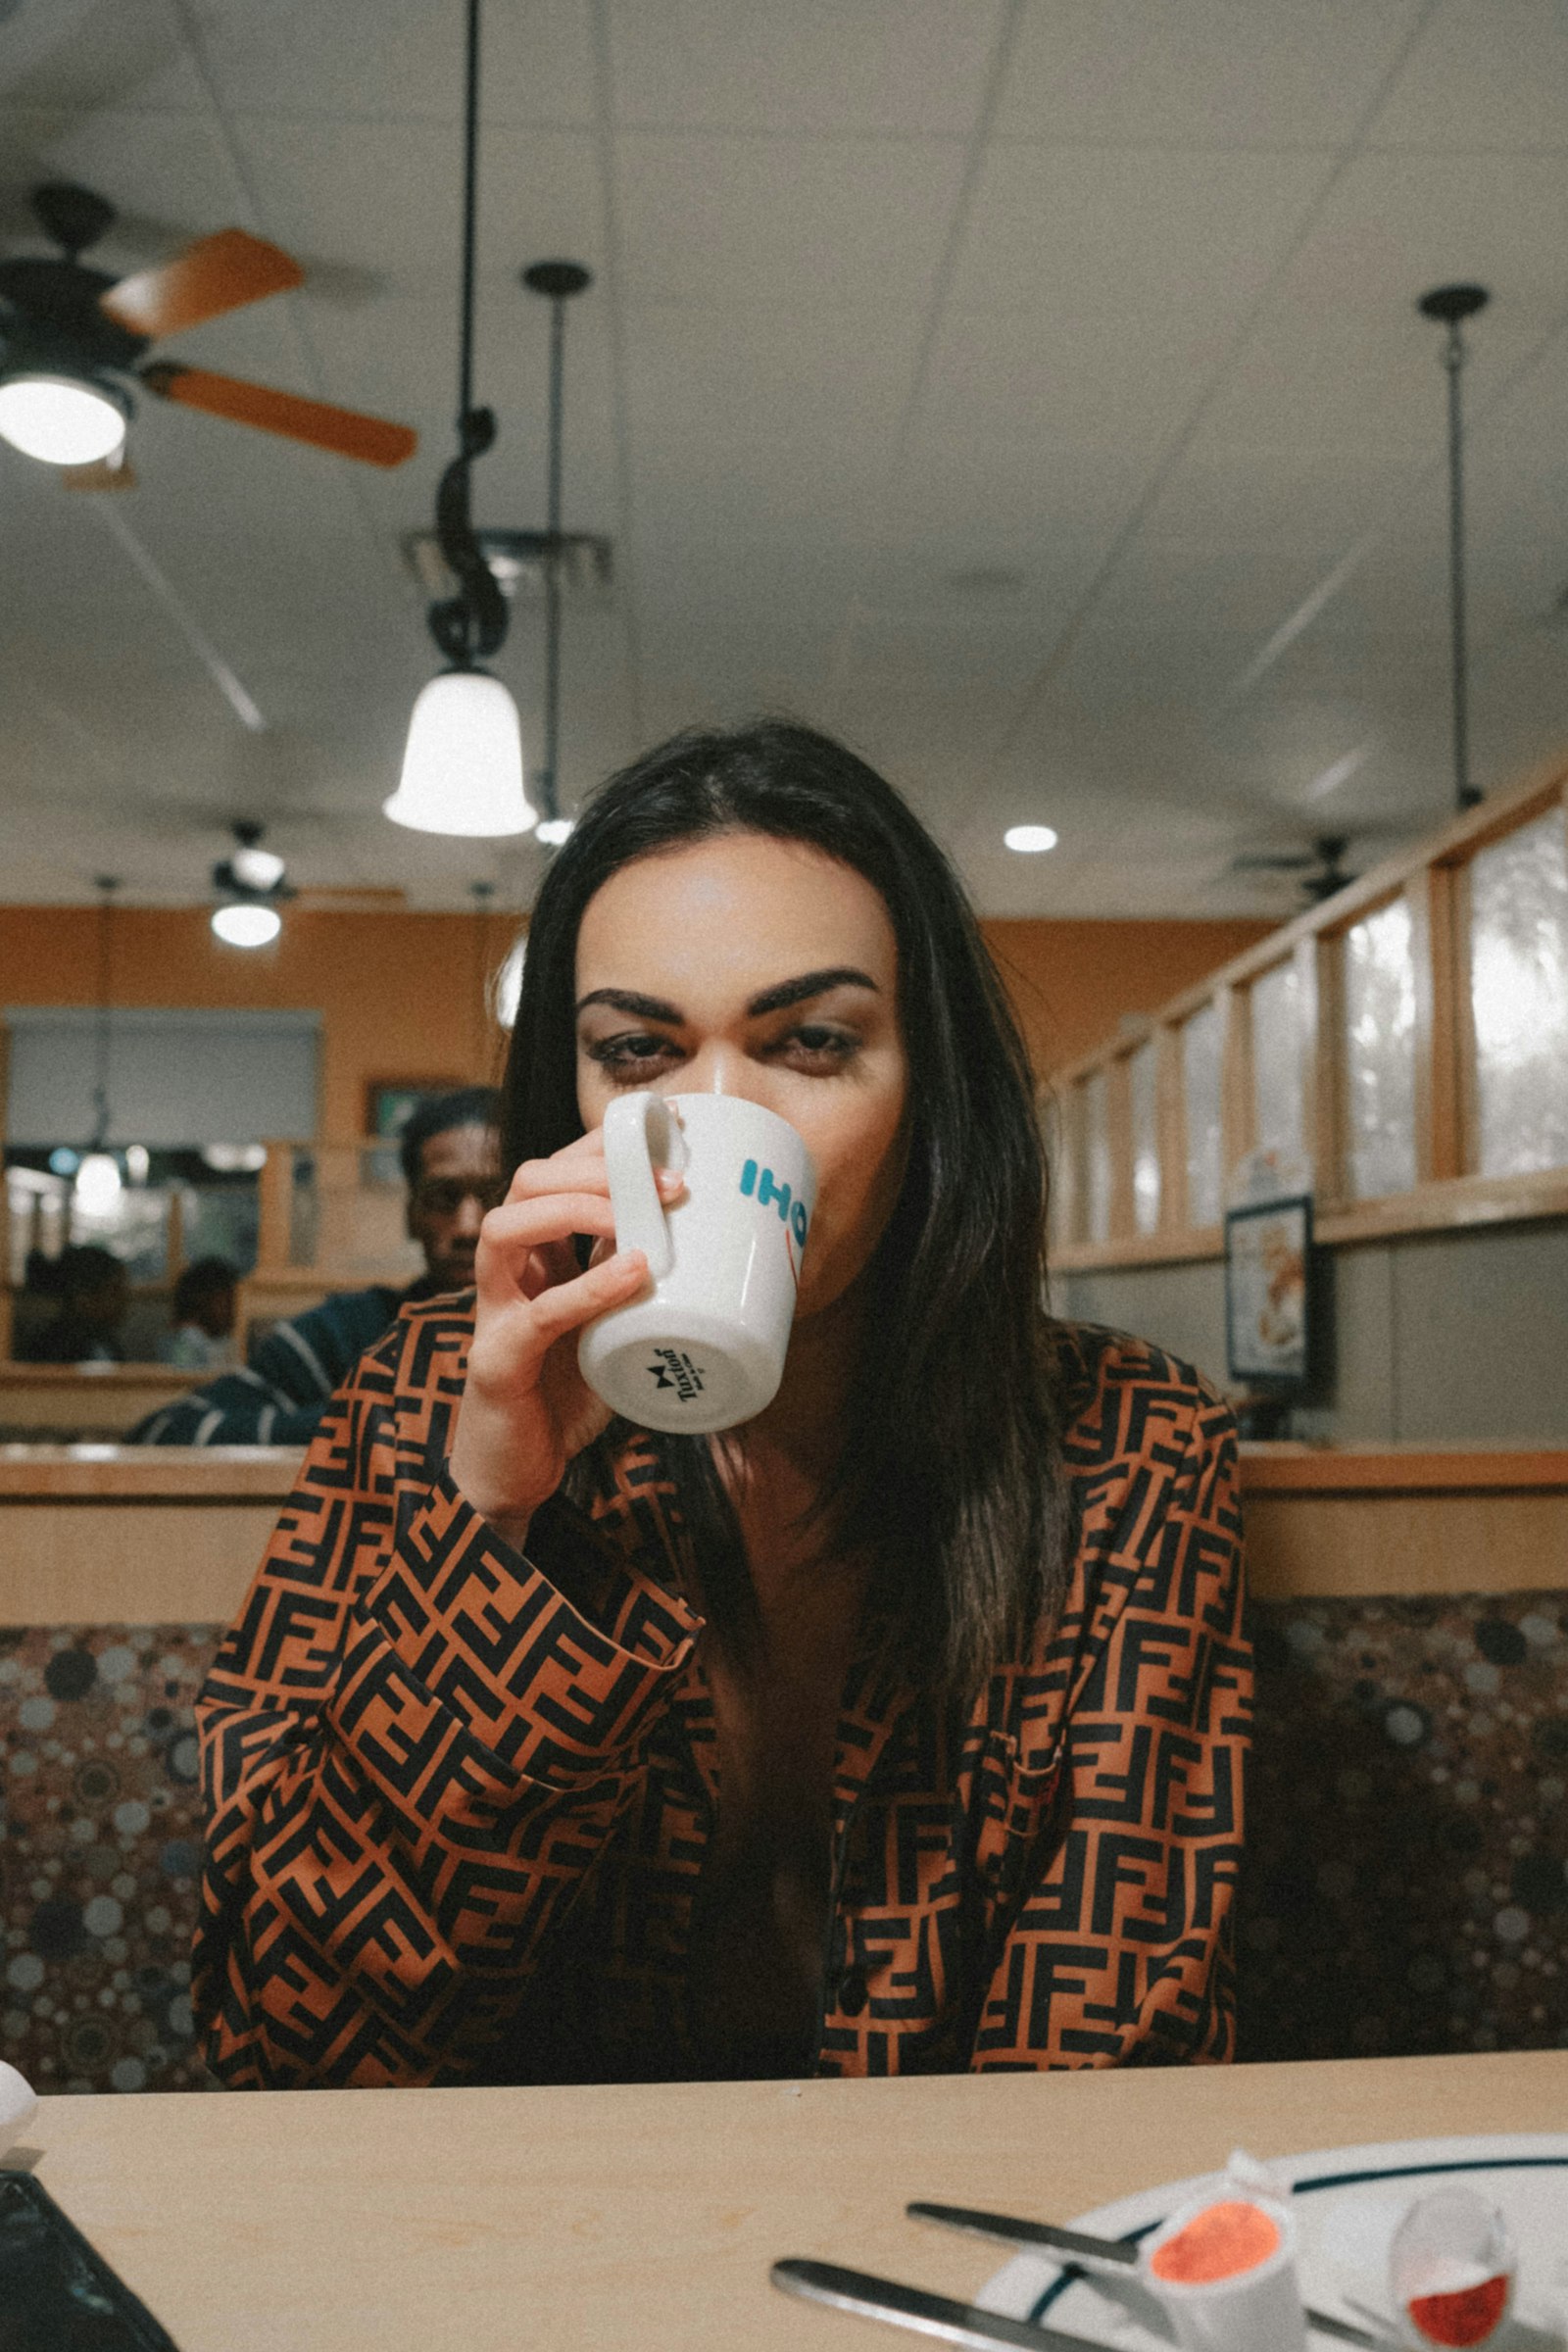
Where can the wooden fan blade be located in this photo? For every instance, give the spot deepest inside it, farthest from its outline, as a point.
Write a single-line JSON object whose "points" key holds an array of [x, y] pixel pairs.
{"points": [[371, 439], [102, 474], [218, 273]]}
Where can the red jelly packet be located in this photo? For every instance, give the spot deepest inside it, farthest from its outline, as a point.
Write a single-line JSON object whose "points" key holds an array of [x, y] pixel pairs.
{"points": [[1466, 2314]]}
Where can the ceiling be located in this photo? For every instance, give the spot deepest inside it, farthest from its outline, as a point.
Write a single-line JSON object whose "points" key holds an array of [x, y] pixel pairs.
{"points": [[1029, 390]]}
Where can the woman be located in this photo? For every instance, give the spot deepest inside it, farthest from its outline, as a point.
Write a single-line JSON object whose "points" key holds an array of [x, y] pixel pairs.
{"points": [[900, 1730]]}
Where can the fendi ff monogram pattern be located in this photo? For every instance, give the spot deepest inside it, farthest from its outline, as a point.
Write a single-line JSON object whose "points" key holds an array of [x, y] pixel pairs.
{"points": [[459, 1800]]}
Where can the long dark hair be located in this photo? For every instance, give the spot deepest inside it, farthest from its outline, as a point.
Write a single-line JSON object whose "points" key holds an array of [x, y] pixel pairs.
{"points": [[949, 1474]]}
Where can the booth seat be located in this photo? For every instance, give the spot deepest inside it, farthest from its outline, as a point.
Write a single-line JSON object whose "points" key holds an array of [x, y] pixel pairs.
{"points": [[99, 1851], [1405, 1889]]}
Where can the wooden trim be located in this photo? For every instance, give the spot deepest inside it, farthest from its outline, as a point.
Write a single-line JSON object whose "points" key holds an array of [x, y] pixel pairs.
{"points": [[1119, 1147], [1147, 1250], [1326, 1546], [1464, 1203], [1461, 1201], [113, 1474], [85, 1378], [1236, 1124], [1170, 1133], [1326, 1074], [1499, 815], [1441, 994], [1278, 1468]]}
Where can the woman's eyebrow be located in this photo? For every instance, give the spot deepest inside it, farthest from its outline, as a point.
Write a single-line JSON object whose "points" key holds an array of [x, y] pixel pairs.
{"points": [[626, 1000], [809, 984], [771, 999]]}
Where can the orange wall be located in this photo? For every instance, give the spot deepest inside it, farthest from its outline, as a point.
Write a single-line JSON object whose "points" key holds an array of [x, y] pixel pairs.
{"points": [[1071, 983], [400, 993]]}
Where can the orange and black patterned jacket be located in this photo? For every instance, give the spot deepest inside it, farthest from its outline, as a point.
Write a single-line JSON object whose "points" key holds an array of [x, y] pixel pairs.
{"points": [[459, 1800]]}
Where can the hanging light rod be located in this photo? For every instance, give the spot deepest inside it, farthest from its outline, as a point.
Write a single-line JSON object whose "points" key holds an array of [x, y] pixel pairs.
{"points": [[557, 283], [1452, 306], [462, 763]]}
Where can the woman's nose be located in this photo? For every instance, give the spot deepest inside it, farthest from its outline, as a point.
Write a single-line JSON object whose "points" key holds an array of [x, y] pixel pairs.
{"points": [[718, 1068]]}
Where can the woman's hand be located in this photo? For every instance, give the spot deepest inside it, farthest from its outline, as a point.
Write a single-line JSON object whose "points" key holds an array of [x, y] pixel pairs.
{"points": [[526, 1409]]}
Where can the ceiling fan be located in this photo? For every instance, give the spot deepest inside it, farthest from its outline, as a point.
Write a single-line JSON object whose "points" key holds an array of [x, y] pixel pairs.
{"points": [[1321, 868], [73, 341]]}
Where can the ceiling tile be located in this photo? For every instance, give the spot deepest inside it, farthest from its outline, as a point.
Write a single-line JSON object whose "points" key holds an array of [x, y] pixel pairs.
{"points": [[1076, 234], [1211, 73], [1483, 74], [399, 59], [902, 66], [126, 55], [387, 198], [768, 221], [1125, 380]]}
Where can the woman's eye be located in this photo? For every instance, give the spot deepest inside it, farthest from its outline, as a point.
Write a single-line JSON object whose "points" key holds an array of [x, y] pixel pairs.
{"points": [[631, 1056], [812, 1047]]}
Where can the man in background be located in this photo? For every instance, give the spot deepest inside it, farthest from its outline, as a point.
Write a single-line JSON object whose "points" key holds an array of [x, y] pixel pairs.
{"points": [[450, 1152], [94, 1292], [205, 1300]]}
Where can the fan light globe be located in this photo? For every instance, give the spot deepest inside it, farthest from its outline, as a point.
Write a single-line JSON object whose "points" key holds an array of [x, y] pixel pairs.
{"points": [[247, 926], [553, 830], [60, 419], [1029, 838], [463, 765], [257, 869]]}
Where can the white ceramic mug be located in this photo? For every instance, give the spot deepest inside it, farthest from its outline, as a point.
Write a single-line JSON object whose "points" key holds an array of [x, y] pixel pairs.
{"points": [[703, 1346]]}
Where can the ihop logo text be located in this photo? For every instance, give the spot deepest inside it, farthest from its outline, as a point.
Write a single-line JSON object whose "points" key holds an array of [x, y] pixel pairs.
{"points": [[763, 1185]]}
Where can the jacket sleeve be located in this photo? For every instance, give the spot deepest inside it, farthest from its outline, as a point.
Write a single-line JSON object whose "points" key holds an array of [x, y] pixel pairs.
{"points": [[414, 1742], [1120, 1951]]}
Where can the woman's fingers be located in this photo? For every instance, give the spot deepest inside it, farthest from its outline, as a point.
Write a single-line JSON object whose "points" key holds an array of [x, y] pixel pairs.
{"points": [[515, 1338]]}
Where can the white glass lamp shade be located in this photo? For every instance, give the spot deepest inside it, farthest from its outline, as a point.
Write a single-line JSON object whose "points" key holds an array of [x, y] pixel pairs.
{"points": [[60, 419], [1030, 839], [98, 1182], [463, 765], [245, 927]]}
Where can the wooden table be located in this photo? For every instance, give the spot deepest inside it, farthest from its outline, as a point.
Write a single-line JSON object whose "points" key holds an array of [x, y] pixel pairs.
{"points": [[644, 2220]]}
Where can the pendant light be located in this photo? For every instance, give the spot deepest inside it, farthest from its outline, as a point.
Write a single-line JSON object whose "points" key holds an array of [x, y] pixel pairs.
{"points": [[557, 283], [1452, 306], [463, 763]]}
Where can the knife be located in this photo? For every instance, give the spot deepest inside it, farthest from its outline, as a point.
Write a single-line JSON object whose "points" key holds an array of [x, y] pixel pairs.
{"points": [[1116, 2253], [903, 2305]]}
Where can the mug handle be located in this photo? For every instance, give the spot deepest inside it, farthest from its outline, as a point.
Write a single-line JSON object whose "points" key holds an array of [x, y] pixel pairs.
{"points": [[641, 1133]]}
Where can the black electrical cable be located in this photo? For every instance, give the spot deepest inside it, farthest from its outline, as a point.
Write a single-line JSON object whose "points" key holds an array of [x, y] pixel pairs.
{"points": [[471, 215], [558, 369]]}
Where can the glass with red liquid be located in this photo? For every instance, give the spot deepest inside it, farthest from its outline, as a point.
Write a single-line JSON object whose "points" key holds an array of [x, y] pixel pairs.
{"points": [[1451, 2269]]}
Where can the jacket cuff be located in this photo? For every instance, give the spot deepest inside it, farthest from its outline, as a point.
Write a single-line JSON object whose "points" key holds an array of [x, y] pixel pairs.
{"points": [[556, 1688]]}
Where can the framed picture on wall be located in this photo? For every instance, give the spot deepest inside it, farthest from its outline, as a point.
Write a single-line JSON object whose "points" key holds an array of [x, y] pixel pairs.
{"points": [[390, 1102], [1269, 1248]]}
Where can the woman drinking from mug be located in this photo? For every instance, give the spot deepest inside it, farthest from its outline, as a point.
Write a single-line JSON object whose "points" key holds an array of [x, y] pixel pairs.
{"points": [[899, 1729]]}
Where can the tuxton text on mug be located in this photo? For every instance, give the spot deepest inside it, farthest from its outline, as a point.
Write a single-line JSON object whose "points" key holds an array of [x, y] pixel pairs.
{"points": [[703, 1348]]}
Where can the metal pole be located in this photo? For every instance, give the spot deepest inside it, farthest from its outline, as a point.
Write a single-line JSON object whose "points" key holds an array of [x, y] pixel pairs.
{"points": [[557, 367], [559, 281], [1452, 305], [1465, 793]]}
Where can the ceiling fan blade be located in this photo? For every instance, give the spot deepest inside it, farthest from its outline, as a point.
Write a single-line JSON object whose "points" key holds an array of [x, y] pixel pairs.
{"points": [[218, 273], [371, 439], [102, 474]]}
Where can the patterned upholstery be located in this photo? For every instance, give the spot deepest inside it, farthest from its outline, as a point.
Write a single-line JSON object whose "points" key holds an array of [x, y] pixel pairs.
{"points": [[1406, 1888], [99, 1849]]}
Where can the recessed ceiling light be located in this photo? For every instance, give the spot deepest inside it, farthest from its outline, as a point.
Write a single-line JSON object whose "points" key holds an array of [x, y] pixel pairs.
{"points": [[1030, 839], [247, 926]]}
